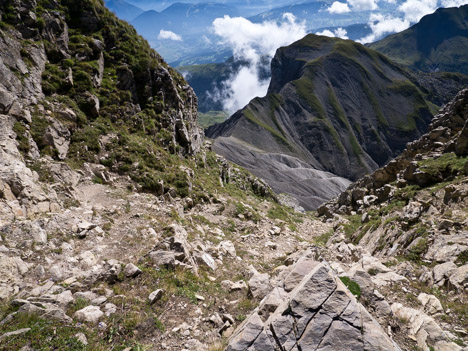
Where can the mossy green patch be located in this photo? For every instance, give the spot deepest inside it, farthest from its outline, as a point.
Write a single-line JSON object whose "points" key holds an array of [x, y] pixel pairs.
{"points": [[21, 136], [448, 162], [305, 89], [252, 118], [353, 287], [210, 118]]}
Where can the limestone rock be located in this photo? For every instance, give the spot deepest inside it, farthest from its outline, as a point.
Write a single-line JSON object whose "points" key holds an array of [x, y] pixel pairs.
{"points": [[259, 285], [318, 314], [90, 314], [131, 271], [155, 296], [431, 303], [15, 333]]}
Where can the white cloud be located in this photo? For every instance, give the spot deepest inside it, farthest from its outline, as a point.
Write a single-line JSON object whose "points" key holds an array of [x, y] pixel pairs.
{"points": [[453, 3], [414, 10], [356, 5], [251, 42], [326, 32], [206, 40], [339, 32], [362, 5], [167, 34], [338, 7], [382, 25]]}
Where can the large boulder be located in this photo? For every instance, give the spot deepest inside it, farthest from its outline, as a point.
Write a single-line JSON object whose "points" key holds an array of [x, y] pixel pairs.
{"points": [[320, 313]]}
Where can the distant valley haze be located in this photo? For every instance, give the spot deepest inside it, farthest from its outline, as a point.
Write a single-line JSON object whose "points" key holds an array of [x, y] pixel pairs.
{"points": [[191, 35]]}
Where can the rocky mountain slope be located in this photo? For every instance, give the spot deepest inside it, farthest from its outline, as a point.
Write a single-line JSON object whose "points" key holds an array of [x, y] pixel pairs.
{"points": [[398, 246], [334, 111], [120, 230], [439, 42], [412, 214]]}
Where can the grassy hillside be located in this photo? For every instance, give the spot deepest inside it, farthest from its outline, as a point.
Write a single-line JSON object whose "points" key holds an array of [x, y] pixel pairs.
{"points": [[439, 42]]}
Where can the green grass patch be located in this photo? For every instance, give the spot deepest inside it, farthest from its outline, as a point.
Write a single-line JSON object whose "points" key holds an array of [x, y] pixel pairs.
{"points": [[252, 118], [448, 162], [21, 137], [322, 240], [352, 286], [207, 119], [305, 89]]}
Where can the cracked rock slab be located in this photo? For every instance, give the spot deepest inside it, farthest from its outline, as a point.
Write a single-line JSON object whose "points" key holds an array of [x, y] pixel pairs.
{"points": [[318, 314]]}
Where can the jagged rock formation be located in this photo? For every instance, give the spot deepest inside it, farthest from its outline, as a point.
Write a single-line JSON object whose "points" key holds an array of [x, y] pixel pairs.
{"points": [[437, 43], [72, 90], [310, 311], [412, 214], [334, 111]]}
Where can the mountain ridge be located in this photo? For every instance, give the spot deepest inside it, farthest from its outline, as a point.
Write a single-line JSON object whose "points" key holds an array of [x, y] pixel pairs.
{"points": [[313, 109], [437, 43]]}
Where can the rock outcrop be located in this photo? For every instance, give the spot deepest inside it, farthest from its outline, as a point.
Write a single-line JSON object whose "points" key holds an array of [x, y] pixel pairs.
{"points": [[67, 84], [411, 214], [319, 313]]}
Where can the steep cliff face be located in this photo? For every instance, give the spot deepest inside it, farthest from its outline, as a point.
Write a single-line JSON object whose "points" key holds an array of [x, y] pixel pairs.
{"points": [[333, 105], [79, 85]]}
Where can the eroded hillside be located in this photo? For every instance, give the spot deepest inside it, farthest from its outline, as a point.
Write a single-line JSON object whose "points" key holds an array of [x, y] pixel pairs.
{"points": [[335, 110], [121, 230]]}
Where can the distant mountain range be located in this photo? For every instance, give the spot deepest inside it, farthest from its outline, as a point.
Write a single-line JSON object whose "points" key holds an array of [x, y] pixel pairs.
{"points": [[439, 42], [192, 21], [207, 78], [123, 9]]}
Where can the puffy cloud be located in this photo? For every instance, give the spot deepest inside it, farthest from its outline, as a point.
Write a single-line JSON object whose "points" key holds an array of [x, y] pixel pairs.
{"points": [[362, 5], [252, 40], [251, 43], [414, 10], [382, 25], [453, 3], [356, 5], [338, 7], [167, 34], [339, 32]]}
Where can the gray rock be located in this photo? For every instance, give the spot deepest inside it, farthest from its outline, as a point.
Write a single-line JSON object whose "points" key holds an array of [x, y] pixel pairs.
{"points": [[15, 333], [109, 309], [206, 259], [47, 312], [90, 314], [318, 314], [443, 271], [299, 271], [259, 285], [231, 286], [459, 278], [85, 295], [249, 332], [163, 258], [131, 271], [412, 211], [155, 296], [430, 303], [58, 136], [81, 338], [111, 271]]}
